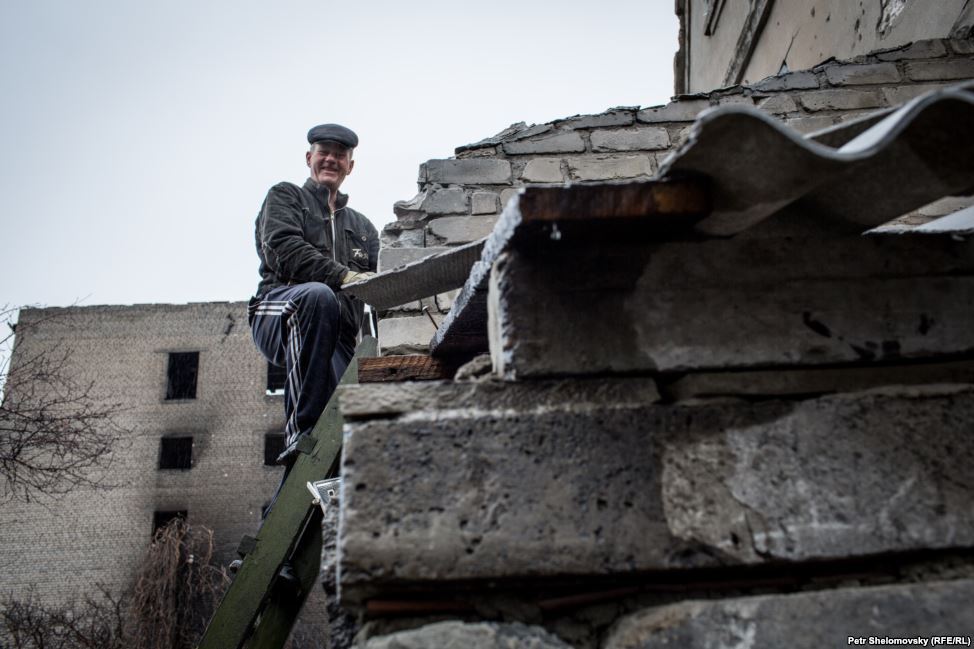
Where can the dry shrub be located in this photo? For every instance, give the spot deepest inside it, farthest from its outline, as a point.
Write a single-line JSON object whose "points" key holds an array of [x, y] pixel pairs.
{"points": [[95, 622], [177, 589]]}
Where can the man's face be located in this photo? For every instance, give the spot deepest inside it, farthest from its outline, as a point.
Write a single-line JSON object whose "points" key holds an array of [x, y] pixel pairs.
{"points": [[329, 163]]}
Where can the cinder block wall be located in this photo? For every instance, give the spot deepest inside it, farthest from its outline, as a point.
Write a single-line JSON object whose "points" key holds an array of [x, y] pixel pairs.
{"points": [[65, 546], [460, 198]]}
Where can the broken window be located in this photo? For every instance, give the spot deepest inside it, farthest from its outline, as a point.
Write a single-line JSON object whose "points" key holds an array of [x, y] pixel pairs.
{"points": [[176, 453], [183, 368], [273, 446], [162, 518], [276, 376]]}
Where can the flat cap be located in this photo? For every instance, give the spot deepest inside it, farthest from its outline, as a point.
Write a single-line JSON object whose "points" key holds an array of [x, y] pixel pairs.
{"points": [[333, 132]]}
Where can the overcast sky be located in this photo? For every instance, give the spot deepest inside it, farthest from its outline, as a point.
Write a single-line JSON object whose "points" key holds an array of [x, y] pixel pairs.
{"points": [[139, 139]]}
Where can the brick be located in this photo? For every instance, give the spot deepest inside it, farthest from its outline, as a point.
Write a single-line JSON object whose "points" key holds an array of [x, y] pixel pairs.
{"points": [[390, 258], [841, 99], [933, 70], [803, 620], [607, 119], [590, 486], [790, 81], [637, 139], [683, 110], [403, 237], [475, 171], [778, 104], [563, 142], [446, 201], [920, 50], [453, 230], [405, 335], [896, 95], [542, 170], [483, 203], [847, 75], [583, 169], [506, 196]]}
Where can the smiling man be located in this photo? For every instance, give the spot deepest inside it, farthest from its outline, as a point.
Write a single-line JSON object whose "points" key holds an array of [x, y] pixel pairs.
{"points": [[310, 244]]}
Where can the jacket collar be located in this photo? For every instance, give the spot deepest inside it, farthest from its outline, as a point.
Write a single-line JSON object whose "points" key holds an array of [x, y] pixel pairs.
{"points": [[322, 193]]}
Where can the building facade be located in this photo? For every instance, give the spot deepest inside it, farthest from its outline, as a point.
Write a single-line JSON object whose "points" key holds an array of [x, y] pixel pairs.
{"points": [[193, 396]]}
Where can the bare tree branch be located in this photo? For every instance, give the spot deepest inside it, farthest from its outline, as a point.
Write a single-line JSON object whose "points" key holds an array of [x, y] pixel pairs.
{"points": [[55, 434]]}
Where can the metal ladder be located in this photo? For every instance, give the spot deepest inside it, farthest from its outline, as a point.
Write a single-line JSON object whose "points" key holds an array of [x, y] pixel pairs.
{"points": [[260, 608]]}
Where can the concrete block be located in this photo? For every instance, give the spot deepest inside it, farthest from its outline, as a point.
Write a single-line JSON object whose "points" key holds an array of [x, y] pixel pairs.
{"points": [[683, 110], [841, 99], [612, 117], [778, 104], [483, 203], [558, 142], [654, 307], [390, 258], [453, 230], [611, 168], [637, 139], [790, 81], [896, 95], [446, 201], [406, 335], [368, 401], [594, 490], [473, 171], [481, 635], [542, 170], [962, 45], [905, 613], [946, 70], [847, 75], [930, 49]]}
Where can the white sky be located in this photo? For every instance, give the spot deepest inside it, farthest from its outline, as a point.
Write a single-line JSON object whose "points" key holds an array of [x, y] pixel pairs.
{"points": [[139, 139]]}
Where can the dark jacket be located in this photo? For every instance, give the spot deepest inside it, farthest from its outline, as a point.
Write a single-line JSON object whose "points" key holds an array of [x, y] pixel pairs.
{"points": [[294, 241]]}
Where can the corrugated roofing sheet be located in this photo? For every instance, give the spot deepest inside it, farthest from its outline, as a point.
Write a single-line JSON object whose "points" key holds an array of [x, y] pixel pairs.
{"points": [[757, 165]]}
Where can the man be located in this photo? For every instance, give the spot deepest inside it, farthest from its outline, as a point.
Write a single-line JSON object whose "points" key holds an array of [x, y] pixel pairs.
{"points": [[310, 244]]}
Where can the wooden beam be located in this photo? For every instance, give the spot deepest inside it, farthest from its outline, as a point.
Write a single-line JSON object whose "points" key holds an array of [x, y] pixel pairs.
{"points": [[417, 367], [431, 275]]}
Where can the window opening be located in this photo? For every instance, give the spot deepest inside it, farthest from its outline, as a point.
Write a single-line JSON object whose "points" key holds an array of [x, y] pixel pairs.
{"points": [[162, 518], [176, 453], [183, 369], [276, 377], [273, 446]]}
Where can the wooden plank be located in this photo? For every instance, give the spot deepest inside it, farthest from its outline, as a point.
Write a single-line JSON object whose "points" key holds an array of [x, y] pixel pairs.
{"points": [[416, 367], [559, 217], [428, 276], [279, 535]]}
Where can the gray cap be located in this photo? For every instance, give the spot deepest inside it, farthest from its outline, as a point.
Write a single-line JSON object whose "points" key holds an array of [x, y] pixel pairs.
{"points": [[335, 133]]}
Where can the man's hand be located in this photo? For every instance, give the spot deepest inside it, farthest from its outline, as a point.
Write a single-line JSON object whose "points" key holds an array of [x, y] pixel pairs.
{"points": [[352, 276]]}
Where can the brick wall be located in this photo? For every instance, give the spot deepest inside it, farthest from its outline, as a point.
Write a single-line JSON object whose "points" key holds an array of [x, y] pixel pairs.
{"points": [[460, 199], [64, 546]]}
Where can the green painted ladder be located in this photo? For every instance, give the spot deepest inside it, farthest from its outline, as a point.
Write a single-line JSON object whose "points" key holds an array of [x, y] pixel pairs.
{"points": [[259, 609]]}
